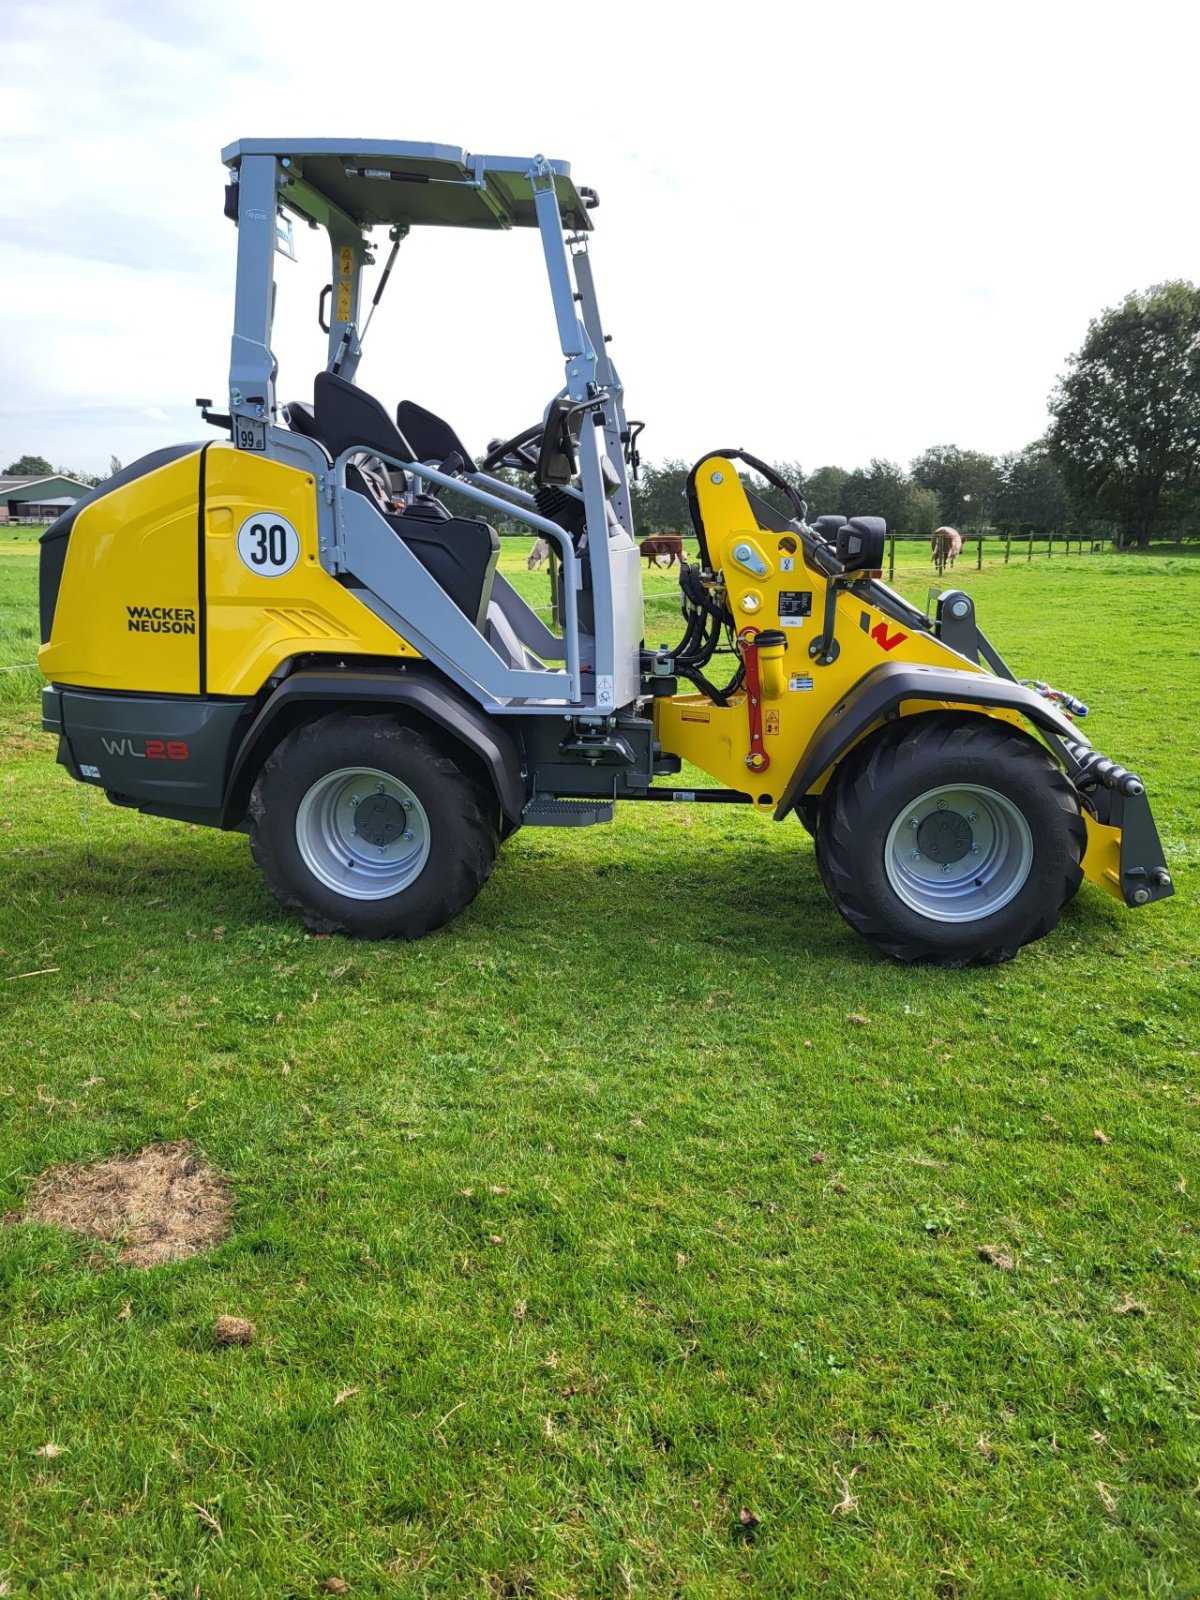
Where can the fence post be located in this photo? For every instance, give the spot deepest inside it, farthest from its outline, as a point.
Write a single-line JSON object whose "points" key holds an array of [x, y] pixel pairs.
{"points": [[1007, 545], [891, 556], [979, 551], [1049, 547], [1029, 551]]}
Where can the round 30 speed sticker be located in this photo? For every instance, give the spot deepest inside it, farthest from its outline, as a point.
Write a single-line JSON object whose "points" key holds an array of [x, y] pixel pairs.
{"points": [[268, 544]]}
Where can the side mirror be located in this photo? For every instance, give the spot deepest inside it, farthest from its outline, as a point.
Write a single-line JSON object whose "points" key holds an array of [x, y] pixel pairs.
{"points": [[826, 528], [861, 543]]}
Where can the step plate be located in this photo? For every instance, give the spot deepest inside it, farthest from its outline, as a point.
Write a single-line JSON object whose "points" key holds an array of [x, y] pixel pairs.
{"points": [[566, 813]]}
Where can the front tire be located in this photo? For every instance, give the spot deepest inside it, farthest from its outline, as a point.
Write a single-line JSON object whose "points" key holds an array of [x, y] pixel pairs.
{"points": [[367, 827], [950, 838]]}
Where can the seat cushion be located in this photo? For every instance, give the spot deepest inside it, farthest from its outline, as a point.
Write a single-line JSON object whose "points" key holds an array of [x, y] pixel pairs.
{"points": [[460, 553]]}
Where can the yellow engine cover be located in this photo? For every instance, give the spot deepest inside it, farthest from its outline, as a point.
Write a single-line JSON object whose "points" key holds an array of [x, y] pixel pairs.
{"points": [[128, 611], [262, 612], [133, 614]]}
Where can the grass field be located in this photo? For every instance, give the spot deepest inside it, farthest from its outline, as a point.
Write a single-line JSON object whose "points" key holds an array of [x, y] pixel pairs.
{"points": [[624, 1237]]}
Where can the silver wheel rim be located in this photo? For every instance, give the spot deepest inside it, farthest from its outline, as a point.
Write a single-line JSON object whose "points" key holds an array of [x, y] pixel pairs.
{"points": [[958, 853], [363, 833]]}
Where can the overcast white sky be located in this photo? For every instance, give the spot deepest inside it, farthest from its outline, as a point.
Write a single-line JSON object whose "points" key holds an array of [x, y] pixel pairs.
{"points": [[827, 232]]}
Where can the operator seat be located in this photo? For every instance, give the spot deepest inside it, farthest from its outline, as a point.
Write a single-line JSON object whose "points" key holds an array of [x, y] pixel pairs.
{"points": [[367, 475], [301, 418], [459, 553]]}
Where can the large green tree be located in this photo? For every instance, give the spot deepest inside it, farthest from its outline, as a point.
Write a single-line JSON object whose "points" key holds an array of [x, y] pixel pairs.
{"points": [[29, 467], [965, 482], [1031, 496], [660, 498], [885, 490], [824, 492], [1126, 430]]}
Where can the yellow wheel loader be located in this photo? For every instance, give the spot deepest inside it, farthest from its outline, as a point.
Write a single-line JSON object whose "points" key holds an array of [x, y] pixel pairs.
{"points": [[297, 629]]}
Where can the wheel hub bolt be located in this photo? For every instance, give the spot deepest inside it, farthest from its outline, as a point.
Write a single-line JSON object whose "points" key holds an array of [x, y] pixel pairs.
{"points": [[916, 855], [946, 868], [380, 788], [975, 849], [913, 822], [407, 834], [353, 801], [941, 805], [407, 804], [972, 816]]}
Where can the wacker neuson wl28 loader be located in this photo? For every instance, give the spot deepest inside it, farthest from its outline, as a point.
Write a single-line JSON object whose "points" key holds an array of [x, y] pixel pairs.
{"points": [[289, 631]]}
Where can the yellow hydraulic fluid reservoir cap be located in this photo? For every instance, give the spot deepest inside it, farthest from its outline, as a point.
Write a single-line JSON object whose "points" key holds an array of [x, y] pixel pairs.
{"points": [[750, 602], [771, 645]]}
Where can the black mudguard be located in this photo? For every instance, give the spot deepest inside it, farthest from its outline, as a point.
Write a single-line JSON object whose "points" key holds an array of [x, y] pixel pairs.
{"points": [[1115, 795], [882, 692], [305, 693]]}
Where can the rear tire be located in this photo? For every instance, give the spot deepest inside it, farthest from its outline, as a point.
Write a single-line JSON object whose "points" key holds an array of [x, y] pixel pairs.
{"points": [[367, 827], [950, 838]]}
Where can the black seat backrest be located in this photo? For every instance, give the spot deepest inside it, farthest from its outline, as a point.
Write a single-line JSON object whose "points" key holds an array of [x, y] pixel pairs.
{"points": [[431, 438], [346, 415], [301, 418]]}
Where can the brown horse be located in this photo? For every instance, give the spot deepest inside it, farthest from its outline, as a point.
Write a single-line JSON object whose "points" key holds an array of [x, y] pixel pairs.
{"points": [[662, 544], [946, 546]]}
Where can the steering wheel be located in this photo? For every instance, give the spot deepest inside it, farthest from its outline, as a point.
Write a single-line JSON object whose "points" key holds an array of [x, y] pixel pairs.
{"points": [[517, 446]]}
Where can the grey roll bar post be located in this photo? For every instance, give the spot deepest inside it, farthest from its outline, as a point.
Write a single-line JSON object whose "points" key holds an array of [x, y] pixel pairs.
{"points": [[349, 252], [263, 185], [252, 366], [607, 376], [583, 386]]}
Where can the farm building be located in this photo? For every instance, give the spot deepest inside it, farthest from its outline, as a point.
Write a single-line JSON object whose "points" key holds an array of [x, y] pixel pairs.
{"points": [[37, 499]]}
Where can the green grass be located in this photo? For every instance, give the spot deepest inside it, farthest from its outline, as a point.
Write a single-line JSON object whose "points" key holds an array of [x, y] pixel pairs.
{"points": [[613, 1219]]}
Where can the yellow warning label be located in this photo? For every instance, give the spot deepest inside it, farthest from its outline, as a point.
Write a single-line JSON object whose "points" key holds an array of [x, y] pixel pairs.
{"points": [[772, 722], [345, 284]]}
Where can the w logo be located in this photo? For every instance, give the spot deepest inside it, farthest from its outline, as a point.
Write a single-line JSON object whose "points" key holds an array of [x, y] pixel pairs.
{"points": [[880, 634]]}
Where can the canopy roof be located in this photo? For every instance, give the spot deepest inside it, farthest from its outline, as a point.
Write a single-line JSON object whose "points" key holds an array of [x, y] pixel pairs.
{"points": [[396, 183]]}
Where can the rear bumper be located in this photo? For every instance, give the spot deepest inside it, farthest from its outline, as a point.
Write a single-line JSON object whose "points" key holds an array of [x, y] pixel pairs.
{"points": [[169, 756]]}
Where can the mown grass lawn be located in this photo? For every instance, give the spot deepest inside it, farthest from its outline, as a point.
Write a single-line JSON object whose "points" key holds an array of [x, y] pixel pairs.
{"points": [[649, 1269]]}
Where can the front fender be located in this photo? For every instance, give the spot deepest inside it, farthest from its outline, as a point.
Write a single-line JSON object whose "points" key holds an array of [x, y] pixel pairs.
{"points": [[1124, 856], [880, 694]]}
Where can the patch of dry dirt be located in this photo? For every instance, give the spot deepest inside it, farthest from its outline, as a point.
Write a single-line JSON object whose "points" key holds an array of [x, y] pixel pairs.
{"points": [[162, 1204]]}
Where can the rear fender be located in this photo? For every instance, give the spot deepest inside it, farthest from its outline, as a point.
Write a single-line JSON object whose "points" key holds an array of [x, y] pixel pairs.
{"points": [[415, 694]]}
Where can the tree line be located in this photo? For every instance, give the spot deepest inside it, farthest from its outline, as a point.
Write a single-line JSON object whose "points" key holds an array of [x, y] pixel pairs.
{"points": [[1017, 493], [1120, 459], [38, 467]]}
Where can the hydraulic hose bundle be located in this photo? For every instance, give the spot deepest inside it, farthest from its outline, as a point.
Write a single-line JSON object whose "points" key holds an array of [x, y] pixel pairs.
{"points": [[707, 617]]}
